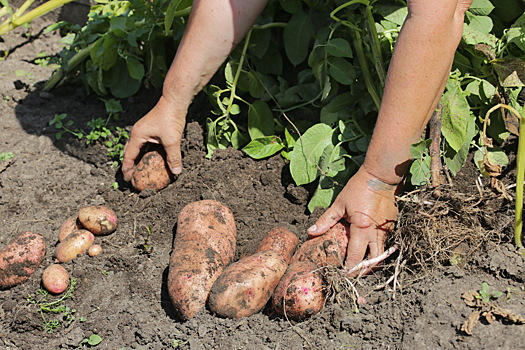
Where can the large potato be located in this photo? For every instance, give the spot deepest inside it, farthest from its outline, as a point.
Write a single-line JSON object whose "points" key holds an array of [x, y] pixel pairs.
{"points": [[98, 219], [152, 171], [328, 249], [55, 279], [245, 286], [281, 240], [211, 222], [20, 258], [193, 269], [74, 244], [301, 292], [204, 243], [69, 225]]}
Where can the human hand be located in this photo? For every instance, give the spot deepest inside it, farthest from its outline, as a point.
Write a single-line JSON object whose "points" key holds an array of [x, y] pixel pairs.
{"points": [[368, 205], [163, 125]]}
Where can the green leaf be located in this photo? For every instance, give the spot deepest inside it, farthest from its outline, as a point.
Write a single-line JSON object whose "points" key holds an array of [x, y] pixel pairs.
{"points": [[331, 113], [297, 36], [260, 120], [456, 114], [263, 147], [341, 70], [482, 24], [339, 47], [420, 171], [291, 6], [471, 36], [135, 68], [260, 42], [481, 7], [321, 198], [119, 82], [455, 160], [94, 339], [305, 156]]}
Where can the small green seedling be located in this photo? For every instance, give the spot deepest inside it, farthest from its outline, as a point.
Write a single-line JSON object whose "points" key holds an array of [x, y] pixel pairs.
{"points": [[93, 340], [486, 295], [6, 156], [145, 247]]}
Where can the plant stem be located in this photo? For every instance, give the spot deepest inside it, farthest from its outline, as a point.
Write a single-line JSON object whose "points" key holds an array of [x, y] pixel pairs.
{"points": [[520, 177], [238, 72]]}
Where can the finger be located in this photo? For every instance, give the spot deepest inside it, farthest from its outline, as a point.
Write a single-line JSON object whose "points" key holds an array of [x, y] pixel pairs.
{"points": [[131, 152], [357, 246], [329, 218], [173, 157]]}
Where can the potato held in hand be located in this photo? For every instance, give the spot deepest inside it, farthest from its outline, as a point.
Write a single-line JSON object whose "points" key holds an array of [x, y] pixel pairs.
{"points": [[98, 219], [151, 172], [20, 258], [73, 245], [55, 279]]}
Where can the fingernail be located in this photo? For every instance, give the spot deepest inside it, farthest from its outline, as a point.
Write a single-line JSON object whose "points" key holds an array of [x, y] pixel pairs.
{"points": [[312, 228], [176, 170]]}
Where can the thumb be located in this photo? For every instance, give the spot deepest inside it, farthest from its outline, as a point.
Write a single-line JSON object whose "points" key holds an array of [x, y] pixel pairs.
{"points": [[326, 221], [174, 158]]}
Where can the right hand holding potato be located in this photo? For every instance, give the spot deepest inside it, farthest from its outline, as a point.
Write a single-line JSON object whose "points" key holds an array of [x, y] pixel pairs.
{"points": [[163, 125]]}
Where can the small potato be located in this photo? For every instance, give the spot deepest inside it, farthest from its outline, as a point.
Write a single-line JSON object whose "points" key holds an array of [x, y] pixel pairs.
{"points": [[55, 279], [69, 225], [151, 172], [94, 250], [98, 219], [20, 258], [281, 240], [245, 286], [74, 244], [301, 292]]}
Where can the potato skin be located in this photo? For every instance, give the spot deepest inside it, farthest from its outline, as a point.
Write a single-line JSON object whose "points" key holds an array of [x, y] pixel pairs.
{"points": [[98, 219], [55, 279], [301, 292], [69, 225], [152, 171], [193, 269], [245, 286], [74, 244], [210, 222], [94, 250], [281, 240], [328, 249], [20, 258]]}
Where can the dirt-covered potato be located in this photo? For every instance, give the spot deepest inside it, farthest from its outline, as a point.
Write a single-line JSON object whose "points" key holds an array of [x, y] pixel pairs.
{"points": [[69, 225], [151, 172], [281, 240], [98, 219], [328, 249], [301, 292], [74, 244], [20, 258], [55, 279], [204, 243], [245, 286], [193, 269]]}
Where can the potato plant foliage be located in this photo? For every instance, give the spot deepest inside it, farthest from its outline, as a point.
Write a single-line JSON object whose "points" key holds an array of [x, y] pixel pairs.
{"points": [[307, 80]]}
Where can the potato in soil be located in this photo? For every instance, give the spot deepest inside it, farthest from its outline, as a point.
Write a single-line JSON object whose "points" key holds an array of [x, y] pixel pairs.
{"points": [[69, 225], [245, 286], [55, 279], [281, 240], [73, 245], [20, 258], [301, 292], [152, 171], [98, 219]]}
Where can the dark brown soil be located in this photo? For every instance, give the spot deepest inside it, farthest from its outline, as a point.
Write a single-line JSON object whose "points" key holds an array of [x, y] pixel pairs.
{"points": [[449, 245]]}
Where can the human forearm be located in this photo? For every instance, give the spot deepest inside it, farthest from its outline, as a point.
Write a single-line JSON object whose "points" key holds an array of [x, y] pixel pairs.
{"points": [[215, 27], [416, 78]]}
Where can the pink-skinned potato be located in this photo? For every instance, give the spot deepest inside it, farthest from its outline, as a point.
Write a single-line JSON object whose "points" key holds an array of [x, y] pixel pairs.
{"points": [[98, 219], [193, 269], [281, 240], [20, 258], [55, 279], [247, 285], [152, 171], [69, 225], [300, 293], [328, 249], [74, 244]]}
